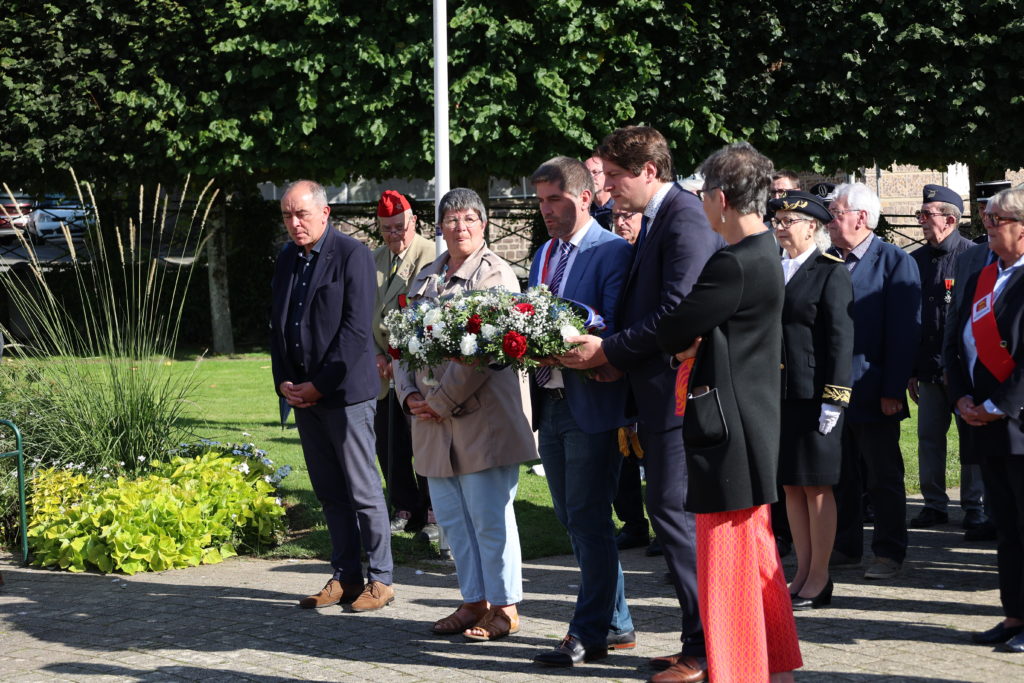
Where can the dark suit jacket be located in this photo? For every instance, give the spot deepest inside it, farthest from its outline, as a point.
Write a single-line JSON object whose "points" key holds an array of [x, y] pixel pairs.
{"points": [[817, 332], [967, 264], [886, 329], [679, 242], [1002, 437], [736, 305], [336, 328]]}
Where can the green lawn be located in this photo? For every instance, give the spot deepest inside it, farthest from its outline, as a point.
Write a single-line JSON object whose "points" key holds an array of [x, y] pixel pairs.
{"points": [[236, 402]]}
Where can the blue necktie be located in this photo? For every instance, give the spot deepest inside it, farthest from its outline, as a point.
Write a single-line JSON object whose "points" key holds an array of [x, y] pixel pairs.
{"points": [[643, 231], [543, 375]]}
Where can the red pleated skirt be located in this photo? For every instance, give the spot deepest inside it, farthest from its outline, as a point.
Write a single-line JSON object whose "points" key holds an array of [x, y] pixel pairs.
{"points": [[745, 606]]}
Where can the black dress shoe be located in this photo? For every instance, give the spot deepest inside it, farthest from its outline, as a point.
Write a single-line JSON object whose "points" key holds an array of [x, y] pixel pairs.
{"points": [[1015, 644], [997, 634], [986, 531], [626, 541], [621, 641], [571, 651], [430, 533], [820, 600], [929, 517], [654, 549]]}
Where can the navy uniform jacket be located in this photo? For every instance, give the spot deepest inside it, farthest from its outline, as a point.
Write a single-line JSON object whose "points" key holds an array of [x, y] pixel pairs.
{"points": [[886, 329], [336, 328], [817, 332], [936, 265], [679, 242], [1002, 437], [736, 305]]}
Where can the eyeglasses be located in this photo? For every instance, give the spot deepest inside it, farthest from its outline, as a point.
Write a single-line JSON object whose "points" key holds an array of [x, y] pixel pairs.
{"points": [[394, 229], [925, 215], [779, 193], [703, 193], [839, 212], [787, 223], [623, 215], [994, 221], [469, 222]]}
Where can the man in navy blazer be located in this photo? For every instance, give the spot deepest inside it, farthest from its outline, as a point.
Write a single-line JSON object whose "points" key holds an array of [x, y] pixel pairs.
{"points": [[674, 244], [578, 418], [321, 350], [886, 314]]}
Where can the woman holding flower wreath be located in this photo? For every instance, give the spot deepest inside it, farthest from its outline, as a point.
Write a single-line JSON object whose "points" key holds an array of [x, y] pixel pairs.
{"points": [[470, 432]]}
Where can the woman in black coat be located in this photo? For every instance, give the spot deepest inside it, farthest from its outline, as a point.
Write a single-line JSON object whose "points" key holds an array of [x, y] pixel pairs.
{"points": [[817, 348]]}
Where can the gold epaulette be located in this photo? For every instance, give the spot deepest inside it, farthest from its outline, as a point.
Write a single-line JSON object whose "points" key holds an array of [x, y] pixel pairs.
{"points": [[834, 394]]}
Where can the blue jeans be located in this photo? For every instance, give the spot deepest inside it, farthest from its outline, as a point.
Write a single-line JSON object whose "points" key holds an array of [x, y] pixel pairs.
{"points": [[475, 511], [582, 471]]}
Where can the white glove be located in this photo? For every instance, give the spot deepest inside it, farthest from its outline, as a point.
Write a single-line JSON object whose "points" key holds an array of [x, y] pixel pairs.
{"points": [[828, 418]]}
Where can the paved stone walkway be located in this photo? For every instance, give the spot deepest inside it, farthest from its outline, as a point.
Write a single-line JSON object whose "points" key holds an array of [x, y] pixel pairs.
{"points": [[239, 621]]}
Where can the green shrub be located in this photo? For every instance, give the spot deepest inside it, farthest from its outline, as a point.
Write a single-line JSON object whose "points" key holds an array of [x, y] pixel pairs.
{"points": [[180, 513]]}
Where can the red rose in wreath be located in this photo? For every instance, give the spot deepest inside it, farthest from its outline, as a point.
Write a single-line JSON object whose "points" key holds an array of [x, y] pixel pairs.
{"points": [[394, 353], [524, 308], [514, 344], [473, 324]]}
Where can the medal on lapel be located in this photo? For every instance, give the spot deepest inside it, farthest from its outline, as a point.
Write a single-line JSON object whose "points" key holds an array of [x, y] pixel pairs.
{"points": [[949, 289]]}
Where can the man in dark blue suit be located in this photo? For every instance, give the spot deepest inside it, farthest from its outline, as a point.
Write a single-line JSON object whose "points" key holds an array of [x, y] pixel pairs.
{"points": [[321, 350], [674, 244], [886, 316], [578, 418]]}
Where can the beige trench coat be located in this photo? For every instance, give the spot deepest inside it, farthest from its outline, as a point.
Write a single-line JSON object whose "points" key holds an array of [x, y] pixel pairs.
{"points": [[485, 412]]}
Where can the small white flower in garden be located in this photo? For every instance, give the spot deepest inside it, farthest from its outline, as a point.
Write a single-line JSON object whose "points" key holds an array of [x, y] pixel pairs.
{"points": [[278, 501], [568, 331], [468, 344], [267, 478], [488, 331], [106, 476], [142, 458], [121, 463], [246, 434], [242, 467]]}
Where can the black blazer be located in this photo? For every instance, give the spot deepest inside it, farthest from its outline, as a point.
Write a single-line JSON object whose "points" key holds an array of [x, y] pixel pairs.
{"points": [[336, 328], [736, 305], [679, 242], [817, 332], [1002, 437]]}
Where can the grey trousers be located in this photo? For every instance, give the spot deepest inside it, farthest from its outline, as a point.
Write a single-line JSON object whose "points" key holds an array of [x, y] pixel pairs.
{"points": [[933, 418]]}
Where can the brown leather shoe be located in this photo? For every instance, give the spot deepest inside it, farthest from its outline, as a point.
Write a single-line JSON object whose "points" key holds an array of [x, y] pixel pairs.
{"points": [[332, 593], [374, 596], [662, 663], [684, 670]]}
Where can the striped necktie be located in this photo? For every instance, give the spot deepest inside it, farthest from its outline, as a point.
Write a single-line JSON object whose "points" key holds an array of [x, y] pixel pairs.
{"points": [[543, 375], [394, 268]]}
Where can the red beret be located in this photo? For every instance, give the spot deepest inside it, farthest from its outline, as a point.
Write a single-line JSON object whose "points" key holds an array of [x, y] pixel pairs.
{"points": [[391, 204]]}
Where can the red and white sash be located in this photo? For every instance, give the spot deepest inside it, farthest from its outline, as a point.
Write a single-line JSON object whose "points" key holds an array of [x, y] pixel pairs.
{"points": [[990, 346]]}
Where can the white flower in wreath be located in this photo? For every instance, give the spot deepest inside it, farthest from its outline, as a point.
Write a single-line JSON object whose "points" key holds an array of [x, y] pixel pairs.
{"points": [[414, 346], [568, 331], [468, 344], [432, 317], [488, 331]]}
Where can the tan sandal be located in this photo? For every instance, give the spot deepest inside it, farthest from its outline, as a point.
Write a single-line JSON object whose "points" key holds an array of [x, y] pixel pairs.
{"points": [[495, 624], [465, 617]]}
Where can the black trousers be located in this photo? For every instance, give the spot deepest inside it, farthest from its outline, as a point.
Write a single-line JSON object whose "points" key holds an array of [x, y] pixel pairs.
{"points": [[1004, 487], [629, 501], [406, 490], [665, 465], [871, 454]]}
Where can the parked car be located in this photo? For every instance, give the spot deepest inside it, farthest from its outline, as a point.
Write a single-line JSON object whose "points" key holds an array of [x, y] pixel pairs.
{"points": [[15, 215], [47, 216]]}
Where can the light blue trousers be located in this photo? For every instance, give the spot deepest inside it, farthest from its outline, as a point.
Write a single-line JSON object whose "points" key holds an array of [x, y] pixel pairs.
{"points": [[475, 511]]}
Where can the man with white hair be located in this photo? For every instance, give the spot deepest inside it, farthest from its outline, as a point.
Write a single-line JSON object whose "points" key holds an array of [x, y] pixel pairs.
{"points": [[887, 326]]}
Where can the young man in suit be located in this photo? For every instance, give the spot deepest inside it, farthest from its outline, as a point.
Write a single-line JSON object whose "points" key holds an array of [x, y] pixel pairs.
{"points": [[886, 315], [578, 418], [400, 259], [674, 244], [321, 352]]}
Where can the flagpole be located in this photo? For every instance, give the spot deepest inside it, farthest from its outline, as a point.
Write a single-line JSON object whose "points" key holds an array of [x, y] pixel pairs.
{"points": [[442, 182]]}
